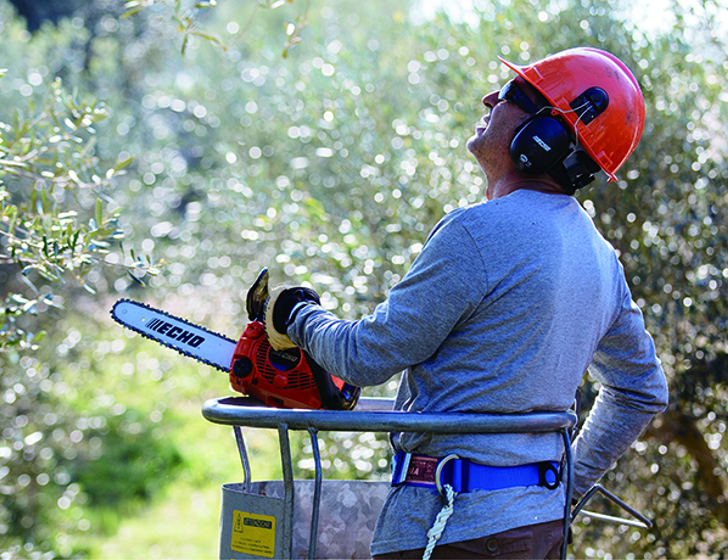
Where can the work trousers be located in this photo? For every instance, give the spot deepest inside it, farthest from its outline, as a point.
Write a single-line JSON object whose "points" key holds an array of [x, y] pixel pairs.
{"points": [[542, 540]]}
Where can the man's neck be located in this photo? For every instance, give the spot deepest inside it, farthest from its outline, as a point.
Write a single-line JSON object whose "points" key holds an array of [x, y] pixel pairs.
{"points": [[507, 186]]}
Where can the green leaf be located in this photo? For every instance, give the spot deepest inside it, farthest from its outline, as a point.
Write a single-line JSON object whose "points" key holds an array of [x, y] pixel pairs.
{"points": [[74, 240], [135, 278], [209, 37], [39, 336], [122, 164], [131, 12]]}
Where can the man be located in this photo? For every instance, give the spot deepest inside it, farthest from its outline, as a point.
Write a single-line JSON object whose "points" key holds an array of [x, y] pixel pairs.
{"points": [[508, 304]]}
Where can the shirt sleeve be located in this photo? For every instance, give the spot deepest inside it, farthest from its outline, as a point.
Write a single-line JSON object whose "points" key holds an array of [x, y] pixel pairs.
{"points": [[633, 389], [444, 286]]}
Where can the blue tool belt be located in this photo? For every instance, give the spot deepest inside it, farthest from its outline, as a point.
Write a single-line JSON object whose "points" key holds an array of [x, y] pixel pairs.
{"points": [[464, 476]]}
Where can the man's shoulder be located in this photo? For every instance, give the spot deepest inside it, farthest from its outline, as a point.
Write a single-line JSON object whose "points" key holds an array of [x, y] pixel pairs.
{"points": [[506, 208]]}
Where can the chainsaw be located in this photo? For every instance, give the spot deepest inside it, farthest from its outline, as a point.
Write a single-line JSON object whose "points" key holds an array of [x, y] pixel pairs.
{"points": [[279, 378]]}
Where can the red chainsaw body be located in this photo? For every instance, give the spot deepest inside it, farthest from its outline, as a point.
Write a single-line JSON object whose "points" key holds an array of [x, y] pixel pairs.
{"points": [[282, 379]]}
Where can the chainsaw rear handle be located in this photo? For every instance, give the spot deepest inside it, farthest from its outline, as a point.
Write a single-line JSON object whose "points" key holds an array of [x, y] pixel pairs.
{"points": [[332, 397]]}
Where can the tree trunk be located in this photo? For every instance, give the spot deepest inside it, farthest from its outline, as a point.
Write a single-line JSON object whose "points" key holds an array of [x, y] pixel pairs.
{"points": [[677, 426]]}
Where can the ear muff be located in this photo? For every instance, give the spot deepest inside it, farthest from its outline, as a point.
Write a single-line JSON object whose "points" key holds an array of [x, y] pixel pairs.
{"points": [[539, 144]]}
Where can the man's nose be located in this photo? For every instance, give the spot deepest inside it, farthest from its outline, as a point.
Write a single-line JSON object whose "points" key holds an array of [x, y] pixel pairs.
{"points": [[491, 100]]}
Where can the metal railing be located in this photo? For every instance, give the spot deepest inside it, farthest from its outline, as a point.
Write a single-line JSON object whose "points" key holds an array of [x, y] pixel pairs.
{"points": [[376, 415]]}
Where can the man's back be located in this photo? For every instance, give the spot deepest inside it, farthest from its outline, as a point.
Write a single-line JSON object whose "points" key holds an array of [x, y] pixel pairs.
{"points": [[542, 289], [500, 313]]}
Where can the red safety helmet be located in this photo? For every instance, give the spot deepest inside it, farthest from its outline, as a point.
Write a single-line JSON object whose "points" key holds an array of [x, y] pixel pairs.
{"points": [[563, 78]]}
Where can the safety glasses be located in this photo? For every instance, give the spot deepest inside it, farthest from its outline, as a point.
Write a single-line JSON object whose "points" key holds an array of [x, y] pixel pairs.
{"points": [[513, 93]]}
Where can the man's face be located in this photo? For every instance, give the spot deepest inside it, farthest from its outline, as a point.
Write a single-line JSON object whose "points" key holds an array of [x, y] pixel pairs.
{"points": [[491, 142]]}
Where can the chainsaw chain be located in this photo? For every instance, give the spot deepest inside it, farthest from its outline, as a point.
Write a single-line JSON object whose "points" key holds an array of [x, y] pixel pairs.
{"points": [[164, 342]]}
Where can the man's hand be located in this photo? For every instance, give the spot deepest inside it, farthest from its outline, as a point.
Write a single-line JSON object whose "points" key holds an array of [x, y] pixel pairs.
{"points": [[281, 309]]}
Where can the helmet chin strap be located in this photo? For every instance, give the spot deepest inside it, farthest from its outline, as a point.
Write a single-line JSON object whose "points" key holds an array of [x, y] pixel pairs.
{"points": [[580, 111]]}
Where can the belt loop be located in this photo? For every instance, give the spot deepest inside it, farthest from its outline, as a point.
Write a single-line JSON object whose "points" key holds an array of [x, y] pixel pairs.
{"points": [[464, 475], [548, 475], [400, 466]]}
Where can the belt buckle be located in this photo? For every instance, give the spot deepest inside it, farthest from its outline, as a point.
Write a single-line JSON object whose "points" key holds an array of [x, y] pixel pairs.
{"points": [[438, 472]]}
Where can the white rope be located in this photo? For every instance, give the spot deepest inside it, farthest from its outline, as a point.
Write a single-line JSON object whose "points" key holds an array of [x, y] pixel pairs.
{"points": [[438, 527]]}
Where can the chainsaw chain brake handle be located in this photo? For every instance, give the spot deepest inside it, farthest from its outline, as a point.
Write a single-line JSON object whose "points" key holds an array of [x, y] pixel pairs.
{"points": [[257, 296]]}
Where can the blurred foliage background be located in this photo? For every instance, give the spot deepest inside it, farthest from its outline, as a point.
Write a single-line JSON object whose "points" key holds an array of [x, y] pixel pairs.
{"points": [[168, 151]]}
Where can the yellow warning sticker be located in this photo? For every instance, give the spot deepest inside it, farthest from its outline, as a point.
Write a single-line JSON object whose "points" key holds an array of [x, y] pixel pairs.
{"points": [[254, 534]]}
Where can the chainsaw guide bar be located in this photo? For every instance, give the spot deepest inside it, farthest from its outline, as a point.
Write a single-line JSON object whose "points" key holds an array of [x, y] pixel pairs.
{"points": [[287, 378], [173, 332]]}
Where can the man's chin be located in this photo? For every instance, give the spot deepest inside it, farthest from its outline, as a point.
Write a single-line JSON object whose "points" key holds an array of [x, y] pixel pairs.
{"points": [[472, 143]]}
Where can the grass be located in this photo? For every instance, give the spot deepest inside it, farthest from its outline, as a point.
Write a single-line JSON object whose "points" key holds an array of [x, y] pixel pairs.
{"points": [[182, 521], [180, 517]]}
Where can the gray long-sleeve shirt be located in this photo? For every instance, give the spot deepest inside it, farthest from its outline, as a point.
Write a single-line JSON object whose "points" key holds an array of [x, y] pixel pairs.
{"points": [[504, 310]]}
